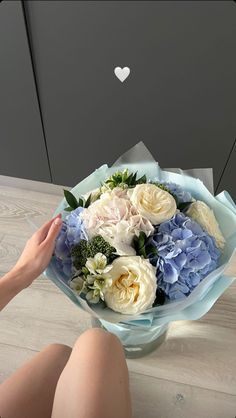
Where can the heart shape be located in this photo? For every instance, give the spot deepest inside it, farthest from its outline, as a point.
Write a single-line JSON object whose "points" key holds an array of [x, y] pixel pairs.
{"points": [[122, 73]]}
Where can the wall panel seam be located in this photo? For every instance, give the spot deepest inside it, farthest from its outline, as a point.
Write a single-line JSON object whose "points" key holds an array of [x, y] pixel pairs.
{"points": [[28, 35], [225, 166]]}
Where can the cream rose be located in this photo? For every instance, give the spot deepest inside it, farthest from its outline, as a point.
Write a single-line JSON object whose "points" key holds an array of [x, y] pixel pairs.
{"points": [[134, 284], [116, 219], [202, 214], [155, 204]]}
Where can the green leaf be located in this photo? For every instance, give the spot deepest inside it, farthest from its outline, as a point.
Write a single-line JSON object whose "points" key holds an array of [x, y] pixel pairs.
{"points": [[139, 244], [141, 239], [134, 178], [142, 252], [160, 297], [183, 206], [129, 179], [81, 202], [141, 180], [71, 199], [85, 271], [151, 250], [122, 178], [88, 201], [68, 209]]}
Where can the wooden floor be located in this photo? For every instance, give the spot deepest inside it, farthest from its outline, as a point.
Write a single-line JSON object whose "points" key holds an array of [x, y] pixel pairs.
{"points": [[192, 375]]}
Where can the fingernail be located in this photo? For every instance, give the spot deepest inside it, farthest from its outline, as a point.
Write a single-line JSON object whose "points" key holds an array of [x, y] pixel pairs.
{"points": [[57, 216], [58, 221]]}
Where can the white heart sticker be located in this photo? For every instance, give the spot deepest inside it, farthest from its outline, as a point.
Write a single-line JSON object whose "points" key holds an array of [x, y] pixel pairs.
{"points": [[122, 73]]}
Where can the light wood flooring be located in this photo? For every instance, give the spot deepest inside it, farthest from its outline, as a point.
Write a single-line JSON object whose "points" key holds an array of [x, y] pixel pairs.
{"points": [[192, 375]]}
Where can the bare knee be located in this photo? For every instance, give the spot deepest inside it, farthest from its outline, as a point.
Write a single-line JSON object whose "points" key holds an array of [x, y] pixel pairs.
{"points": [[58, 351], [96, 337]]}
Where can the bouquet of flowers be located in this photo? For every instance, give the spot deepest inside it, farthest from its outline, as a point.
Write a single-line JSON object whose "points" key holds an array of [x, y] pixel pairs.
{"points": [[140, 247]]}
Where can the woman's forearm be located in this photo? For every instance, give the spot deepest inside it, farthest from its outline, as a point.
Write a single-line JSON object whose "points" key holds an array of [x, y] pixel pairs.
{"points": [[10, 285], [32, 262]]}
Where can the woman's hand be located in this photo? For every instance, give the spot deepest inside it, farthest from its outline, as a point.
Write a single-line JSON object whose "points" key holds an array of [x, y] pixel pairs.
{"points": [[38, 251]]}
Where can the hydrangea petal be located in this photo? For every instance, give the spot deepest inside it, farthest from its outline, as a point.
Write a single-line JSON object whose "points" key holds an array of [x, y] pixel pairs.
{"points": [[185, 255]]}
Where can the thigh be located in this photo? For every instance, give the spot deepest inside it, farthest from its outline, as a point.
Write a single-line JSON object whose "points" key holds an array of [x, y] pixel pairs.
{"points": [[29, 392], [95, 381]]}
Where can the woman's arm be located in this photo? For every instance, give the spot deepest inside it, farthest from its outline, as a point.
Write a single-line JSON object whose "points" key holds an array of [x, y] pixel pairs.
{"points": [[32, 262], [10, 285]]}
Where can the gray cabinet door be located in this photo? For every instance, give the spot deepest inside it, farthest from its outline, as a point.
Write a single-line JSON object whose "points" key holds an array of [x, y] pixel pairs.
{"points": [[180, 97], [23, 152]]}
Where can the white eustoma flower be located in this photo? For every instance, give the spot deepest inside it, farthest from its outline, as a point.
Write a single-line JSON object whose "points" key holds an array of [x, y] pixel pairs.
{"points": [[133, 286], [77, 284], [98, 264], [153, 203], [202, 214], [116, 220]]}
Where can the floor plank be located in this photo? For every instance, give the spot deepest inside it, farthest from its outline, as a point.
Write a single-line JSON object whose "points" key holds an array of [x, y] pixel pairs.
{"points": [[11, 247], [12, 183], [14, 213], [36, 318], [157, 398], [196, 354]]}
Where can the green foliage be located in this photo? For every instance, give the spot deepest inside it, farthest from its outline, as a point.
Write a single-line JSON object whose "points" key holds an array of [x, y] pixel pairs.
{"points": [[124, 179], [71, 199], [141, 247], [183, 206], [74, 203], [88, 201], [79, 254], [85, 249], [68, 209], [99, 245], [160, 297], [85, 271], [139, 244]]}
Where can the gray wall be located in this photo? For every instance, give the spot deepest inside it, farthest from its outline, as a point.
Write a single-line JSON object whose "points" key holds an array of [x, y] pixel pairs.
{"points": [[180, 98], [22, 152]]}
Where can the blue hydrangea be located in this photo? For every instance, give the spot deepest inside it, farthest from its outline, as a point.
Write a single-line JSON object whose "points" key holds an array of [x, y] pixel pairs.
{"points": [[186, 254], [72, 231], [64, 266], [176, 189]]}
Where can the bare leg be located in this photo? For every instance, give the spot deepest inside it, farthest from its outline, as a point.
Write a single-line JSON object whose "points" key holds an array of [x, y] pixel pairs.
{"points": [[95, 381], [29, 392]]}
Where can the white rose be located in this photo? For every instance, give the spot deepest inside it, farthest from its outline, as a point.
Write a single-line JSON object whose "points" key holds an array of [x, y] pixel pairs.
{"points": [[116, 219], [202, 214], [155, 204], [134, 284]]}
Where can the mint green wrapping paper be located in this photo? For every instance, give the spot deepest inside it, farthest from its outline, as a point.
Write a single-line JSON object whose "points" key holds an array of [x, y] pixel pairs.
{"points": [[151, 324]]}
